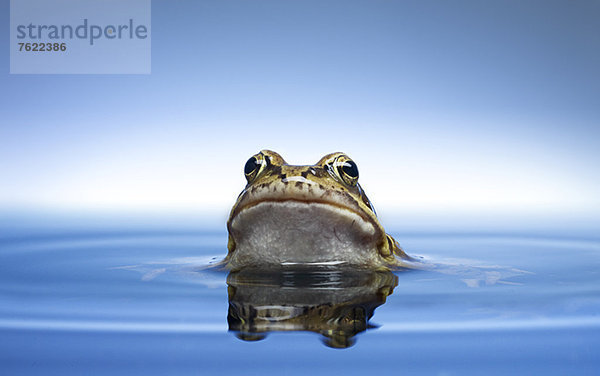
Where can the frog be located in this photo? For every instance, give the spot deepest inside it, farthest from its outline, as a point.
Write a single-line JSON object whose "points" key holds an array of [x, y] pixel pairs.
{"points": [[303, 215]]}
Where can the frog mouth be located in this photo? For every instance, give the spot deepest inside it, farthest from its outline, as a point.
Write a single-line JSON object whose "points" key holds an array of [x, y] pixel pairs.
{"points": [[294, 213]]}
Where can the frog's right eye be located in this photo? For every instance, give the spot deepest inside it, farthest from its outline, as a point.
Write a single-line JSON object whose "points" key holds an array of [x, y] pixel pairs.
{"points": [[254, 166]]}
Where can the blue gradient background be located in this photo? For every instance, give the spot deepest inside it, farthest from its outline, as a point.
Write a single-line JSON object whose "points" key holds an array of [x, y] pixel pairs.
{"points": [[448, 108]]}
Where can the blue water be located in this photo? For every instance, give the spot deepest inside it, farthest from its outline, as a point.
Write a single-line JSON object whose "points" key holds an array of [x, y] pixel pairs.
{"points": [[125, 299]]}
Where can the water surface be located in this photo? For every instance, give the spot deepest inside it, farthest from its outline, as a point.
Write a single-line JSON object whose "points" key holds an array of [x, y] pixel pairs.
{"points": [[129, 299]]}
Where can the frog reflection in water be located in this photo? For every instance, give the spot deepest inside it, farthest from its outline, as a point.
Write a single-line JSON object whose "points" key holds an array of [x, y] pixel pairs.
{"points": [[307, 215], [332, 302]]}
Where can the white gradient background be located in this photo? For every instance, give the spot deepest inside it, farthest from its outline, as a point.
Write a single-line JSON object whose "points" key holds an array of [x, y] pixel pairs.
{"points": [[447, 107]]}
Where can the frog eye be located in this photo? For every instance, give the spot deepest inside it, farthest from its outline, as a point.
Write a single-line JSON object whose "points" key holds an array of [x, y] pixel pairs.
{"points": [[254, 166], [251, 165], [346, 169]]}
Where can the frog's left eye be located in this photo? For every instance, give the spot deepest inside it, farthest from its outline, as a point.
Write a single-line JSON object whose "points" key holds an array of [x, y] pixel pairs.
{"points": [[254, 166], [251, 166], [346, 169]]}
